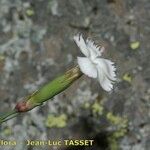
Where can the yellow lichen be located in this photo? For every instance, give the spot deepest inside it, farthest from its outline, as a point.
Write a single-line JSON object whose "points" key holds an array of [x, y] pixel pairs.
{"points": [[2, 58], [30, 12], [116, 120], [56, 121], [134, 45], [7, 131], [121, 124], [127, 77], [86, 105], [97, 108], [120, 133]]}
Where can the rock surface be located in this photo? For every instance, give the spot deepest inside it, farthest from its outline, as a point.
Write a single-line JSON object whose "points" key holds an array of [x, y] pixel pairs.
{"points": [[36, 45]]}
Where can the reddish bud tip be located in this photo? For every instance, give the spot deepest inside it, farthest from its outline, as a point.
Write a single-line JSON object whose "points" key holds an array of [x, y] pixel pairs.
{"points": [[22, 106]]}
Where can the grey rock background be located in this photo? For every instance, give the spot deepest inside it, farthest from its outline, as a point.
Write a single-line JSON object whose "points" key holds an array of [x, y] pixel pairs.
{"points": [[36, 45]]}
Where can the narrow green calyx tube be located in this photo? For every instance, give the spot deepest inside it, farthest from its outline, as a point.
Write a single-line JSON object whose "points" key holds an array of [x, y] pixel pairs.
{"points": [[49, 90]]}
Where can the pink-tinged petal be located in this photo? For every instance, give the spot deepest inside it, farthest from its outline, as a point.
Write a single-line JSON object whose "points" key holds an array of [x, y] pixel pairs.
{"points": [[81, 44], [87, 67]]}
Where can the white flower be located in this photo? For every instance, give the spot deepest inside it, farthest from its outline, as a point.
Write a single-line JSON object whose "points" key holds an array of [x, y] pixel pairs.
{"points": [[94, 66]]}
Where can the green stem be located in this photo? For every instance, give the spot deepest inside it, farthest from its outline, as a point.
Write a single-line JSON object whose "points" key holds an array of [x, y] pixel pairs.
{"points": [[8, 115]]}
